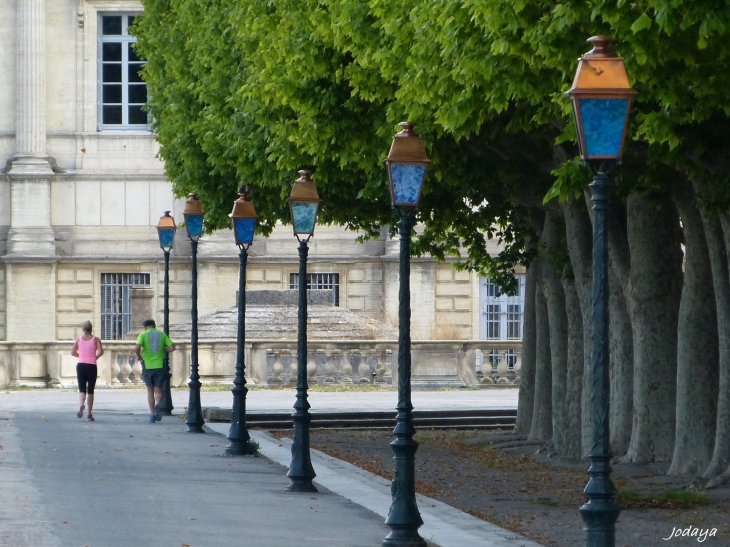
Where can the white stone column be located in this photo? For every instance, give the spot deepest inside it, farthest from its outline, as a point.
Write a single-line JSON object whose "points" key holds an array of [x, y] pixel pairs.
{"points": [[30, 171]]}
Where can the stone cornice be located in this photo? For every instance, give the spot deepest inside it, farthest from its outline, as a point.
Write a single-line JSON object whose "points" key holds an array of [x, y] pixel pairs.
{"points": [[25, 259], [106, 176]]}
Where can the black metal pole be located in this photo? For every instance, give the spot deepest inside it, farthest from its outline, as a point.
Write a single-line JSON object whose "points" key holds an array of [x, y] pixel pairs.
{"points": [[403, 517], [195, 412], [301, 471], [238, 433], [600, 512], [165, 407]]}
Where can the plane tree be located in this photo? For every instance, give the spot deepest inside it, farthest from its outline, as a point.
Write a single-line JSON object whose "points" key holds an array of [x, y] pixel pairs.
{"points": [[250, 91]]}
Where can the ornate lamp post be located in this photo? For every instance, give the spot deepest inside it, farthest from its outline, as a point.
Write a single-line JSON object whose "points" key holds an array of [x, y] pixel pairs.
{"points": [[407, 165], [601, 97], [244, 221], [304, 204], [166, 233], [194, 225]]}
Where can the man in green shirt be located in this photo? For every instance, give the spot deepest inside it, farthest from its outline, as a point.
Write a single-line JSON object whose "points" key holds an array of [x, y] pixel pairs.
{"points": [[153, 344]]}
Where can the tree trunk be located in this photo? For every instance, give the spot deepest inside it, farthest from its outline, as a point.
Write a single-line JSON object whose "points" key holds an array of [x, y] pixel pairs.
{"points": [[572, 437], [542, 424], [717, 247], [653, 299], [621, 364], [579, 238], [552, 287], [697, 347], [526, 398]]}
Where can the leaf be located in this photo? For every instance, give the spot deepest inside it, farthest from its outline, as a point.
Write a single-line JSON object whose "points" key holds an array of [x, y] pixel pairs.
{"points": [[643, 22]]}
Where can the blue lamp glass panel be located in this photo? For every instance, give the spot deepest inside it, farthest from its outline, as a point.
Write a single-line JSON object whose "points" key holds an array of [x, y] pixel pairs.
{"points": [[243, 229], [603, 125], [407, 181], [194, 224], [167, 237], [304, 216]]}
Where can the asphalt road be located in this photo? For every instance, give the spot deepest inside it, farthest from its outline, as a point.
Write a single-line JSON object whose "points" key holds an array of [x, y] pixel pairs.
{"points": [[121, 482], [261, 400]]}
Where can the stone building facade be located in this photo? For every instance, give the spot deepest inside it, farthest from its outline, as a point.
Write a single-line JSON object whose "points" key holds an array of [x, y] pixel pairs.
{"points": [[81, 192]]}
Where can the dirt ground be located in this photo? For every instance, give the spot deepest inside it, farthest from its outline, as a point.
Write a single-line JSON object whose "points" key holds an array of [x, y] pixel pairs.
{"points": [[533, 495]]}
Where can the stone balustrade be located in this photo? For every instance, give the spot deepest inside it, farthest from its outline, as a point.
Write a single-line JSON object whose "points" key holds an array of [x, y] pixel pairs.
{"points": [[435, 363]]}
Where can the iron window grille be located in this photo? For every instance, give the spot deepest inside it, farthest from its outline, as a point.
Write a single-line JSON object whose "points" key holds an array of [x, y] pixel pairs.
{"points": [[122, 91], [116, 302], [319, 281]]}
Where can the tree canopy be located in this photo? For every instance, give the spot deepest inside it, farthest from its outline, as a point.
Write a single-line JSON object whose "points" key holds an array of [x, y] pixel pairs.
{"points": [[250, 91]]}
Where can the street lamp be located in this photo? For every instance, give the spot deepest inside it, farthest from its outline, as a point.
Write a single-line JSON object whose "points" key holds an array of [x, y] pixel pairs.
{"points": [[166, 233], [244, 221], [304, 204], [601, 97], [407, 165], [193, 214]]}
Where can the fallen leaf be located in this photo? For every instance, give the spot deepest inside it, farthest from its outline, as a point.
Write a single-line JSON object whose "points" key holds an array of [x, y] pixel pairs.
{"points": [[1, 447], [64, 522], [185, 545], [99, 479], [191, 518]]}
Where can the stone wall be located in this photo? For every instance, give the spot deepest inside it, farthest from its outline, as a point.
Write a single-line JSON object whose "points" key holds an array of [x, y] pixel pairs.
{"points": [[74, 300], [3, 304], [454, 303]]}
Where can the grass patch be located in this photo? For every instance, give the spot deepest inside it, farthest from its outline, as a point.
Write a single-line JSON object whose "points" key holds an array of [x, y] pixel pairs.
{"points": [[216, 387], [671, 499], [349, 387], [253, 448], [21, 388]]}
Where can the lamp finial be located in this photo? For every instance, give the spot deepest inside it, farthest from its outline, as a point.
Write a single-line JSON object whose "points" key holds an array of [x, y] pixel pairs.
{"points": [[601, 46]]}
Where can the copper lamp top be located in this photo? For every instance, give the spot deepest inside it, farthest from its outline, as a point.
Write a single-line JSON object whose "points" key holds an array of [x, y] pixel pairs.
{"points": [[304, 189], [407, 146], [193, 206], [601, 71], [243, 207], [166, 222]]}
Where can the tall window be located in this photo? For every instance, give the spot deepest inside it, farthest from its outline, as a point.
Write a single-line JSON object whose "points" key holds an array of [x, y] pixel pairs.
{"points": [[123, 93], [319, 281], [492, 317], [116, 303], [502, 315]]}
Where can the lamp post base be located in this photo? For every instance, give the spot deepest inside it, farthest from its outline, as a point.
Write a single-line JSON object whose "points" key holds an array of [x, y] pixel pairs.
{"points": [[301, 471], [404, 537], [195, 412], [301, 485], [237, 449]]}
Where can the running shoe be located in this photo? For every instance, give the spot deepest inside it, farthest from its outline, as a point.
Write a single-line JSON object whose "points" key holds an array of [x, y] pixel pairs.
{"points": [[152, 418], [90, 418], [80, 413]]}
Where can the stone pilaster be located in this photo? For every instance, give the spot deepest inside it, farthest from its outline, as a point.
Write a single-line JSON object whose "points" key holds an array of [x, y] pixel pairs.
{"points": [[30, 171]]}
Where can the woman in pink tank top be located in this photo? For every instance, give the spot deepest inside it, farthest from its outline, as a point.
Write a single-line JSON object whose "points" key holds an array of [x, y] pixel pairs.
{"points": [[88, 349]]}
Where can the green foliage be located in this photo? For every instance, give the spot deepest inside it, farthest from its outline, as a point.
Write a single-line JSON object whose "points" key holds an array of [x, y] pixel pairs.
{"points": [[253, 448], [250, 91]]}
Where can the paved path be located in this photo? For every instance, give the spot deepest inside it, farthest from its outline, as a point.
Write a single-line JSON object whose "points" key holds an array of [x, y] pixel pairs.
{"points": [[121, 482], [262, 400]]}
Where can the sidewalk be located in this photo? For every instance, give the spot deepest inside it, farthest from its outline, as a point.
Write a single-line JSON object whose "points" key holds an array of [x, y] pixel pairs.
{"points": [[443, 525], [120, 481]]}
